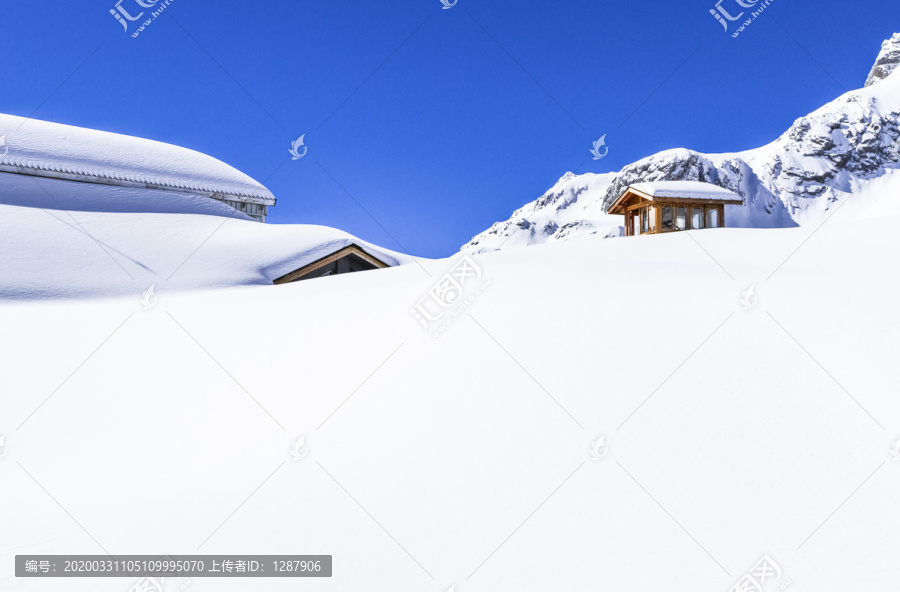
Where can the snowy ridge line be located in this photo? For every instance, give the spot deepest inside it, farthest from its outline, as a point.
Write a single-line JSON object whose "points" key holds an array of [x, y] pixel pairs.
{"points": [[798, 179], [45, 149], [887, 61]]}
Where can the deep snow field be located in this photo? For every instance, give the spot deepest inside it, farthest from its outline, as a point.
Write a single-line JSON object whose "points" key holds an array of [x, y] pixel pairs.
{"points": [[736, 425]]}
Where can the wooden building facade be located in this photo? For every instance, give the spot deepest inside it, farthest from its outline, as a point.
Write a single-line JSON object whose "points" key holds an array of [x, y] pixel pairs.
{"points": [[670, 206], [347, 260]]}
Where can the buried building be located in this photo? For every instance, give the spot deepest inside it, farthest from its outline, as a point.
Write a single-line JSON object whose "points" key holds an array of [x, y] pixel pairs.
{"points": [[345, 260], [60, 167], [35, 148]]}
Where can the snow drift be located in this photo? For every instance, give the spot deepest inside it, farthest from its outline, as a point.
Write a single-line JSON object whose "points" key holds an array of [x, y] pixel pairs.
{"points": [[467, 460], [62, 239]]}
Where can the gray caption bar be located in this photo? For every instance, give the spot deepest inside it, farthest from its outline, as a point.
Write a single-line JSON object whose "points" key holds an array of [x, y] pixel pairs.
{"points": [[155, 566]]}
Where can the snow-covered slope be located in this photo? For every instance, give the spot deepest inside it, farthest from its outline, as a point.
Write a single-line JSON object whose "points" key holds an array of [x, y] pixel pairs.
{"points": [[469, 461], [569, 208], [797, 179], [57, 150], [62, 239]]}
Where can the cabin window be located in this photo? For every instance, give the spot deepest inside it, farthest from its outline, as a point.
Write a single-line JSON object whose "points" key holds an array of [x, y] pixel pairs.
{"points": [[644, 220], [712, 217], [696, 217], [680, 217], [652, 215], [668, 218]]}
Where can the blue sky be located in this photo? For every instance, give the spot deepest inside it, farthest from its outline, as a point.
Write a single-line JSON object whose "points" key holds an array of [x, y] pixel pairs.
{"points": [[424, 126]]}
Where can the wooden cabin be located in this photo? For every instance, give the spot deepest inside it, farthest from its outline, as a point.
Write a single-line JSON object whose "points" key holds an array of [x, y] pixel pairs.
{"points": [[669, 206], [346, 260]]}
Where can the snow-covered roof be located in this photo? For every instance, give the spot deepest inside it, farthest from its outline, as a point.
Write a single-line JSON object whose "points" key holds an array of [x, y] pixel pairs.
{"points": [[686, 190], [73, 240], [46, 149]]}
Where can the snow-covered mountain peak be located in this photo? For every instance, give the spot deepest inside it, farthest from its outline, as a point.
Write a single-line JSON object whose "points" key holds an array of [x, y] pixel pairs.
{"points": [[567, 177], [823, 158], [887, 60]]}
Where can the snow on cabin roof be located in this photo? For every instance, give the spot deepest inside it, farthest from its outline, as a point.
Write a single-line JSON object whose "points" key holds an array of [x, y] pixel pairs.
{"points": [[686, 190], [46, 149]]}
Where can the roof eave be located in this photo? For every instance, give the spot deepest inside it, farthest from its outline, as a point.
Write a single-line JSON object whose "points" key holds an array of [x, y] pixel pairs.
{"points": [[101, 180], [352, 248], [618, 206]]}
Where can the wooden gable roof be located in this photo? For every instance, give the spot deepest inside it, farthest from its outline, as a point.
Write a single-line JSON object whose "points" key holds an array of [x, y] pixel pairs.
{"points": [[673, 192], [352, 250]]}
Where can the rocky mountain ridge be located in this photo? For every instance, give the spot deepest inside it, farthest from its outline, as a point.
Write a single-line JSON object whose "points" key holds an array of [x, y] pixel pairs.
{"points": [[798, 179]]}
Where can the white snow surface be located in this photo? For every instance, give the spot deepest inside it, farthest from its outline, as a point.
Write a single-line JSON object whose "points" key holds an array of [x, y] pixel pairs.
{"points": [[685, 189], [465, 461], [63, 239], [57, 148]]}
